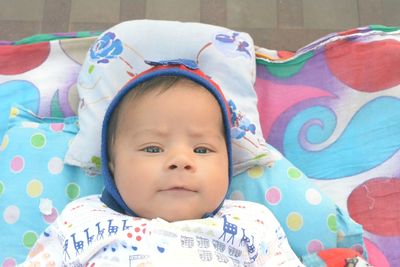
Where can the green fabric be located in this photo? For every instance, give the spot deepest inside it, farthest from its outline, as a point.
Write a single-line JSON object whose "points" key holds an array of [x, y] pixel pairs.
{"points": [[383, 28], [287, 68]]}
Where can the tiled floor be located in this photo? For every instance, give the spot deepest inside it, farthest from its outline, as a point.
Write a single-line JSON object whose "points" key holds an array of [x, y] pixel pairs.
{"points": [[274, 24]]}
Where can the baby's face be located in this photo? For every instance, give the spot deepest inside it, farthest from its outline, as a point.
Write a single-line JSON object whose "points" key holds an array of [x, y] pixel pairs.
{"points": [[170, 157]]}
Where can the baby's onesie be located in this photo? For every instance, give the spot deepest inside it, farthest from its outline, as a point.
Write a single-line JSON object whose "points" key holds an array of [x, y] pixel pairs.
{"points": [[88, 233]]}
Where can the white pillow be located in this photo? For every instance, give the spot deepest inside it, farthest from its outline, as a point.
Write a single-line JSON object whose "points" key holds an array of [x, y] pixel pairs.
{"points": [[119, 54]]}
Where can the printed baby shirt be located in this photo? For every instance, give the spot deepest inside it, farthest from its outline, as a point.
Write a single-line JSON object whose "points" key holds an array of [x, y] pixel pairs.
{"points": [[88, 233]]}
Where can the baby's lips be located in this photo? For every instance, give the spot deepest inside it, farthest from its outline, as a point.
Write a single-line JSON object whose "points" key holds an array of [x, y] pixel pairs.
{"points": [[178, 187]]}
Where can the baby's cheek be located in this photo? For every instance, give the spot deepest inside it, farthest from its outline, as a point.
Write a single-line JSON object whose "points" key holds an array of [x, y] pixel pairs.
{"points": [[218, 190]]}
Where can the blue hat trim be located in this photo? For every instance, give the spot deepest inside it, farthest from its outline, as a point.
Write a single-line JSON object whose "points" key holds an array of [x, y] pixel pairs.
{"points": [[110, 195]]}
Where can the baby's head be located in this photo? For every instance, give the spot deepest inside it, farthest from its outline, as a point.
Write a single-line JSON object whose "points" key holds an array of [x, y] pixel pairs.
{"points": [[166, 146]]}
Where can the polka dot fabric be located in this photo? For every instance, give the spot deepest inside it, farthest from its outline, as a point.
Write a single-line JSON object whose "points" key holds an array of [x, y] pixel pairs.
{"points": [[311, 220], [34, 182]]}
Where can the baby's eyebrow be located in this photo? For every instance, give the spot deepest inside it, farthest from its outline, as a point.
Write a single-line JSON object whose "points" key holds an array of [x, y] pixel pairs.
{"points": [[151, 132], [207, 134], [158, 132]]}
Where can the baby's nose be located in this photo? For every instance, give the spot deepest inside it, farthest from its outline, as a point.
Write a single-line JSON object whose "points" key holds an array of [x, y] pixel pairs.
{"points": [[178, 166], [181, 161]]}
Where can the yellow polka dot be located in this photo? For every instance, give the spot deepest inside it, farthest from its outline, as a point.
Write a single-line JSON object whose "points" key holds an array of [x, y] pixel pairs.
{"points": [[294, 221], [14, 112], [255, 172], [4, 143], [34, 188]]}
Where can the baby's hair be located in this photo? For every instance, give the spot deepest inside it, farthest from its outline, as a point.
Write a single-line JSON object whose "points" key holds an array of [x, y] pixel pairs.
{"points": [[162, 83]]}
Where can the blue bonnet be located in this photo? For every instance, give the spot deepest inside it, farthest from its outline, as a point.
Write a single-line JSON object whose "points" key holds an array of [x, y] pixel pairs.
{"points": [[182, 68]]}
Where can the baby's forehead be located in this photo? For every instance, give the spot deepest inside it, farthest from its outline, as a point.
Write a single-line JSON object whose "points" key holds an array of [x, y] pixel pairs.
{"points": [[159, 85], [183, 93]]}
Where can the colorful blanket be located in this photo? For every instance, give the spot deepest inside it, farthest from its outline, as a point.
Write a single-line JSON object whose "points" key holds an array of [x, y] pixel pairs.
{"points": [[332, 108]]}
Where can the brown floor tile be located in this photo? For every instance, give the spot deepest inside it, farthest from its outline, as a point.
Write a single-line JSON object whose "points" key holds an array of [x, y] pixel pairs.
{"points": [[95, 11], [16, 30], [182, 10], [88, 26], [251, 14], [290, 14], [21, 10], [56, 16], [213, 12], [391, 11], [329, 14], [370, 11], [130, 10], [274, 24]]}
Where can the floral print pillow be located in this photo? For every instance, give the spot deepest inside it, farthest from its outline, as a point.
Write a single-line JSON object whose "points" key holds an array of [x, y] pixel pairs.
{"points": [[121, 52]]}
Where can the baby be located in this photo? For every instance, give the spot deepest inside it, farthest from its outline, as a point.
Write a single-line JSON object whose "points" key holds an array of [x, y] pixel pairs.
{"points": [[166, 163]]}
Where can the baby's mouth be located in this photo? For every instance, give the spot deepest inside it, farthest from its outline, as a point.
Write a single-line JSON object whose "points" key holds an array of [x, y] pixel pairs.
{"points": [[177, 189]]}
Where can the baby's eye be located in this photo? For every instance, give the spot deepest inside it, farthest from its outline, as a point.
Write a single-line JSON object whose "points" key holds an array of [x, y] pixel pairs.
{"points": [[152, 149], [201, 150]]}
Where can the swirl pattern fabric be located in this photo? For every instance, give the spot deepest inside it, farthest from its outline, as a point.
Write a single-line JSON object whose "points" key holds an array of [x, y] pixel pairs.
{"points": [[333, 109]]}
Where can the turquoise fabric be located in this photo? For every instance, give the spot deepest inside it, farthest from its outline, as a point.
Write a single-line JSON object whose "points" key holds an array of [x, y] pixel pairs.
{"points": [[31, 171]]}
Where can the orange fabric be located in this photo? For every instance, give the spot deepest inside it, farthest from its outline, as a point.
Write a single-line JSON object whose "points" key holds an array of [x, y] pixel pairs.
{"points": [[336, 257]]}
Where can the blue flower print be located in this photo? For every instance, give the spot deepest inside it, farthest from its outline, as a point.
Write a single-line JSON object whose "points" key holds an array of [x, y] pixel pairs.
{"points": [[240, 123], [225, 38], [242, 47], [232, 44], [106, 48]]}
